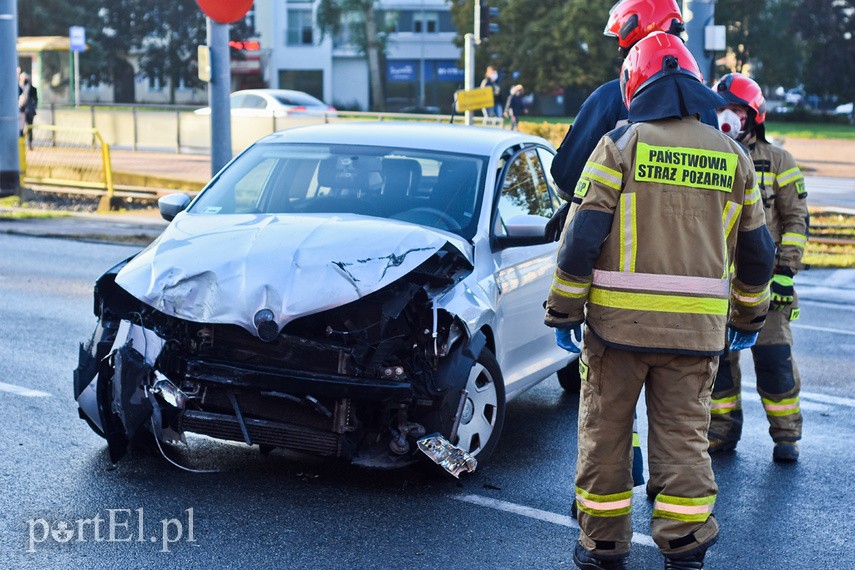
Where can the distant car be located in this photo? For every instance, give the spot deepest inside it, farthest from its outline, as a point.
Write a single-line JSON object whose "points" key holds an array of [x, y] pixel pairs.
{"points": [[276, 102], [341, 290], [794, 96], [845, 109]]}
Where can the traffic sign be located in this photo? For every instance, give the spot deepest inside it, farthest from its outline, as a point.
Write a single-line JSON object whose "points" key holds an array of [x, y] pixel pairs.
{"points": [[77, 38], [474, 99], [204, 64], [225, 11]]}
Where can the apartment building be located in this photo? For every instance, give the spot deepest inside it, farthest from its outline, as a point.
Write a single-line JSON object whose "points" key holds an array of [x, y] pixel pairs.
{"points": [[421, 67]]}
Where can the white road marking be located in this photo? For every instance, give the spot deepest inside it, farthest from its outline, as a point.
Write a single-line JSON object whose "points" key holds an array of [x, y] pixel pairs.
{"points": [[21, 391], [546, 516], [823, 329]]}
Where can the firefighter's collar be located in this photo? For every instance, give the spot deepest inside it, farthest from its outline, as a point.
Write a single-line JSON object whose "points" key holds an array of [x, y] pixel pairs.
{"points": [[673, 96]]}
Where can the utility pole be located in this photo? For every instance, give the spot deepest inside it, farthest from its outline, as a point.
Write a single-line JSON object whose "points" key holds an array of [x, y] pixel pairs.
{"points": [[218, 95], [698, 14], [10, 168]]}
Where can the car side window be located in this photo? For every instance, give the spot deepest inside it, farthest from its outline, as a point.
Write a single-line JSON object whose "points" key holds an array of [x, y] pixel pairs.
{"points": [[525, 190], [253, 102], [546, 158]]}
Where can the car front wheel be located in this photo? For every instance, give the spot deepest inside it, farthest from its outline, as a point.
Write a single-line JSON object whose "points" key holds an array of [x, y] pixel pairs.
{"points": [[483, 412]]}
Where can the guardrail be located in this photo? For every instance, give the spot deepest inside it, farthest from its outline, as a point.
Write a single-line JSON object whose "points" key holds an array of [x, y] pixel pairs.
{"points": [[182, 129], [68, 157]]}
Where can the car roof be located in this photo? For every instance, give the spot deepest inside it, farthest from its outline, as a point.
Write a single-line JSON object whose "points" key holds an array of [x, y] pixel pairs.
{"points": [[428, 136], [270, 92]]}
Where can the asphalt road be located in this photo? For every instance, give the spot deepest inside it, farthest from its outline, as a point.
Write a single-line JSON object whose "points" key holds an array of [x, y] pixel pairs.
{"points": [[282, 511]]}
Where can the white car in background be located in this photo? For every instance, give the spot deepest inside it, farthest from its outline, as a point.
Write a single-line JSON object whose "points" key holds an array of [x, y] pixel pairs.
{"points": [[274, 102], [341, 290]]}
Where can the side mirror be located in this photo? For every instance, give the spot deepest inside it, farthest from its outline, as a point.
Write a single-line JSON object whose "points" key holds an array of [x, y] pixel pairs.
{"points": [[172, 204], [526, 229]]}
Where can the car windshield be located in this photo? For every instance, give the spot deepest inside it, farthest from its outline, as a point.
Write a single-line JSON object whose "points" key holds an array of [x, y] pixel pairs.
{"points": [[437, 189], [299, 99]]}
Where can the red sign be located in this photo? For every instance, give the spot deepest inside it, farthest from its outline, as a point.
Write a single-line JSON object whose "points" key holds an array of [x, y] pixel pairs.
{"points": [[225, 11]]}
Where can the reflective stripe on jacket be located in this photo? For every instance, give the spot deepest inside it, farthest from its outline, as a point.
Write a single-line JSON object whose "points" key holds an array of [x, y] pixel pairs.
{"points": [[651, 244]]}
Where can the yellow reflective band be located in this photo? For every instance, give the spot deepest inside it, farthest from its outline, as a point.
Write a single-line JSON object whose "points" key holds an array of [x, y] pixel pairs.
{"points": [[636, 440], [729, 216], [583, 370], [615, 505], [604, 174], [680, 166], [628, 243], [751, 299], [572, 289], [789, 176], [657, 303], [785, 407], [725, 405], [683, 508], [765, 176], [752, 196], [794, 239]]}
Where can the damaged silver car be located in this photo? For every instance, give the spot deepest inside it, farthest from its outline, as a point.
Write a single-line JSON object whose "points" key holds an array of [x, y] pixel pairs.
{"points": [[344, 290]]}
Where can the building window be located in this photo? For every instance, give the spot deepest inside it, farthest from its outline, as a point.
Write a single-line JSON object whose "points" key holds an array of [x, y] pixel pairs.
{"points": [[310, 81], [425, 22], [301, 30]]}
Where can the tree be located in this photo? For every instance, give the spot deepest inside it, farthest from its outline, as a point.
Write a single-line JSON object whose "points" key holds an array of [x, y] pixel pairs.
{"points": [[551, 44], [368, 35], [828, 30]]}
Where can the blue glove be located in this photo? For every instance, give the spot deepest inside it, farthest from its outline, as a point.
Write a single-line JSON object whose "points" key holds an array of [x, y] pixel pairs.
{"points": [[564, 337], [738, 340]]}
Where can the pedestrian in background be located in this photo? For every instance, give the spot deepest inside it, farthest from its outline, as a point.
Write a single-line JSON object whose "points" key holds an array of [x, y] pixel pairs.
{"points": [[28, 100], [666, 206], [514, 107], [491, 80], [782, 188]]}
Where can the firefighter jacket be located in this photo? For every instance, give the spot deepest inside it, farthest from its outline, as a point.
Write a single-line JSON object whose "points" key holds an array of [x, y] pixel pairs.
{"points": [[782, 187], [601, 112], [666, 210]]}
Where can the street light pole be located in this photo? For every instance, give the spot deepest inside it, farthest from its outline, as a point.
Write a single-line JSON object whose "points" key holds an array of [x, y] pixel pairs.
{"points": [[10, 173], [218, 96]]}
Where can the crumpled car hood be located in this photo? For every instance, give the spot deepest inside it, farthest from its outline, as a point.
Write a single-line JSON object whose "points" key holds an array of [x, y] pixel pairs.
{"points": [[225, 268]]}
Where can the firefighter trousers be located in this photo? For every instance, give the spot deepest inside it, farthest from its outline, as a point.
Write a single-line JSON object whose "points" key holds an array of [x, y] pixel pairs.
{"points": [[677, 390], [778, 384]]}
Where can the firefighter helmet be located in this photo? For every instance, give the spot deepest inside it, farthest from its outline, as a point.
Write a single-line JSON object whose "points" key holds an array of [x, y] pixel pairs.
{"points": [[631, 20], [652, 58], [741, 90]]}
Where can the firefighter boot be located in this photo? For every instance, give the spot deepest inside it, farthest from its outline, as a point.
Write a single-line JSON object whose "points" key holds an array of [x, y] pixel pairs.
{"points": [[785, 452], [686, 562], [586, 560]]}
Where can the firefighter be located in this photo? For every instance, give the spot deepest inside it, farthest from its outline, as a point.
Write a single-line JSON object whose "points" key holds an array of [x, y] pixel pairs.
{"points": [[783, 192], [668, 206], [602, 111]]}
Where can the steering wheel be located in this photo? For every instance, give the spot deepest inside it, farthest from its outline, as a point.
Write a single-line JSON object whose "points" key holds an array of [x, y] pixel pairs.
{"points": [[449, 221]]}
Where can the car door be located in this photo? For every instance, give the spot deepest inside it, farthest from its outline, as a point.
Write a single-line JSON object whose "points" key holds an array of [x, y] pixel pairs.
{"points": [[525, 345]]}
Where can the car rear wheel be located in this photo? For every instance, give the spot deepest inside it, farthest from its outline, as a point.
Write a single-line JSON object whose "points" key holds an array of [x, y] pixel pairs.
{"points": [[570, 378], [484, 409]]}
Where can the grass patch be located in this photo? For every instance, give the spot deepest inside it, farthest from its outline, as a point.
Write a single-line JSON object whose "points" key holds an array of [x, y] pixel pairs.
{"points": [[810, 130], [31, 215]]}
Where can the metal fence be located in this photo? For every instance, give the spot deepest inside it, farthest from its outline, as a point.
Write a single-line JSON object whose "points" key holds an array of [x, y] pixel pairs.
{"points": [[187, 130]]}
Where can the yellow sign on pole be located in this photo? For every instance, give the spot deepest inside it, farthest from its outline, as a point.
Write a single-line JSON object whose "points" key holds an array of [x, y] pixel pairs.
{"points": [[474, 99], [204, 54]]}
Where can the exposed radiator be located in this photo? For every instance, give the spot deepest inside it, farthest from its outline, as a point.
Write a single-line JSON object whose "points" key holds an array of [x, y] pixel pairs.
{"points": [[262, 432]]}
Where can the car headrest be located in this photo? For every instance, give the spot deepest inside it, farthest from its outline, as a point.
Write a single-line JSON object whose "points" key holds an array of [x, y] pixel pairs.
{"points": [[401, 176]]}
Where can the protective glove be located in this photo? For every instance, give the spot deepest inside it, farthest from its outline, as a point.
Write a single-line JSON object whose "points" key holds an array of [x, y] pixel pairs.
{"points": [[555, 225], [564, 337], [781, 289], [738, 340]]}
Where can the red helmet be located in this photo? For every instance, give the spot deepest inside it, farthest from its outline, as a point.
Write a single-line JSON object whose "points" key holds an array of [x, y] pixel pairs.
{"points": [[631, 20], [742, 90], [652, 58]]}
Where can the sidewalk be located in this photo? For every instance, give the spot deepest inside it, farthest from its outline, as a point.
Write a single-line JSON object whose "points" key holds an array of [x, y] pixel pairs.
{"points": [[137, 228]]}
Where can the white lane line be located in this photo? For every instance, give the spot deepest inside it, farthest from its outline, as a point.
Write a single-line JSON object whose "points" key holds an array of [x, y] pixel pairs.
{"points": [[532, 513], [823, 329], [21, 391]]}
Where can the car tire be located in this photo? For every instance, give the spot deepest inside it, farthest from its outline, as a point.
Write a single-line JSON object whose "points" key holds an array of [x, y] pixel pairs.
{"points": [[483, 413], [570, 378]]}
